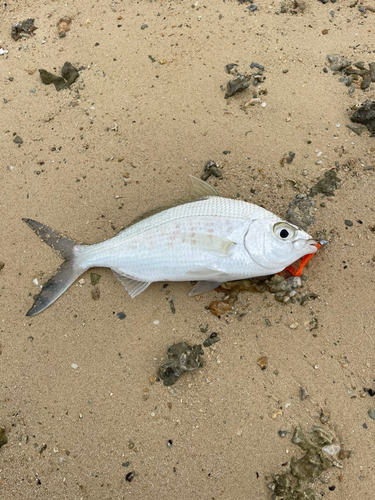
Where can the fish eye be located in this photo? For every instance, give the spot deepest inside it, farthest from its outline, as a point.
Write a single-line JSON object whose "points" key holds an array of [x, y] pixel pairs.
{"points": [[284, 231]]}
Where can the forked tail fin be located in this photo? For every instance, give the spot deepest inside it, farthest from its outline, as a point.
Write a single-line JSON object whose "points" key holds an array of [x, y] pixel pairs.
{"points": [[66, 274]]}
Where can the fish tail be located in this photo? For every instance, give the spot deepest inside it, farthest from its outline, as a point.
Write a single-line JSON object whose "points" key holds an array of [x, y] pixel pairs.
{"points": [[66, 274]]}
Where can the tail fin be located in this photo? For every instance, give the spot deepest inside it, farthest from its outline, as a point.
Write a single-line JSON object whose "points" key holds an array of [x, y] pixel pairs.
{"points": [[66, 274]]}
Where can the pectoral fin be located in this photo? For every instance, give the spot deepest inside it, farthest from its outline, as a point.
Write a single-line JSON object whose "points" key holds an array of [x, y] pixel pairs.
{"points": [[212, 243], [134, 287]]}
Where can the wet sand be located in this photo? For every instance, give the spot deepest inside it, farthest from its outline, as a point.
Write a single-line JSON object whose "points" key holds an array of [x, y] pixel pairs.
{"points": [[79, 403]]}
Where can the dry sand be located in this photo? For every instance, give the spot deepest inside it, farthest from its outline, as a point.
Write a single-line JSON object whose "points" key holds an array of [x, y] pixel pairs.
{"points": [[76, 433]]}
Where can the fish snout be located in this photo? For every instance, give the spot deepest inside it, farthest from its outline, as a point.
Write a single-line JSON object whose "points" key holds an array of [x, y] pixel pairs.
{"points": [[310, 245]]}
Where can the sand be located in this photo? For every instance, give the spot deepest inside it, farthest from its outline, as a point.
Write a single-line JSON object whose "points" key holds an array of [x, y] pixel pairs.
{"points": [[78, 402]]}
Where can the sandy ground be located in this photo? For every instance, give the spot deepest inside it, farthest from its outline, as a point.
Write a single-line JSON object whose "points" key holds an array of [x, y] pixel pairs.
{"points": [[75, 433]]}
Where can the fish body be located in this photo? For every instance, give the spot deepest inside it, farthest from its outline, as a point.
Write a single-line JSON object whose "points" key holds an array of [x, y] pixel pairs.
{"points": [[204, 237]]}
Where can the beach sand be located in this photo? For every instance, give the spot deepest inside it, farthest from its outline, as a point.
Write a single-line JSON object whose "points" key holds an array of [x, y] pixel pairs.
{"points": [[81, 409]]}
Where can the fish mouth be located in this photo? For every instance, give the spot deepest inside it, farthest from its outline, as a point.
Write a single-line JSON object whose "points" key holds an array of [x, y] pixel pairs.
{"points": [[309, 246], [313, 246]]}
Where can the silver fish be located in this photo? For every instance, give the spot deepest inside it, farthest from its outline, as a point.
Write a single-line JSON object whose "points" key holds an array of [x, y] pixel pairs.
{"points": [[202, 237]]}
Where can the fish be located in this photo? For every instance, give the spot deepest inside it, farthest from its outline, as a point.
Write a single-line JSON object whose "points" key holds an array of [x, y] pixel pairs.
{"points": [[202, 237]]}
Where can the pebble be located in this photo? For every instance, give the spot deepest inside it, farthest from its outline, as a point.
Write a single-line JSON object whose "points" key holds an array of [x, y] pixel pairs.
{"points": [[74, 366], [156, 322], [263, 362], [293, 326], [3, 436], [371, 413]]}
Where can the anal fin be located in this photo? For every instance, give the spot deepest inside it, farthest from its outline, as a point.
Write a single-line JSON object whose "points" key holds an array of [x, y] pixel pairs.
{"points": [[204, 286], [134, 287]]}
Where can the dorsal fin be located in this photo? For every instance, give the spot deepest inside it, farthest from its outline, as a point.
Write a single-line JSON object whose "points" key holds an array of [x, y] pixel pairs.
{"points": [[201, 191]]}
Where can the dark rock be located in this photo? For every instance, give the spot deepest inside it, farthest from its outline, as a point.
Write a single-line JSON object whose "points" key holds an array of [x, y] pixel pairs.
{"points": [[181, 358], [366, 80], [230, 66], [23, 28], [256, 65], [17, 139], [238, 84], [95, 278], [327, 185], [372, 71], [358, 129], [338, 63], [69, 75], [211, 168], [3, 437], [365, 115], [211, 340]]}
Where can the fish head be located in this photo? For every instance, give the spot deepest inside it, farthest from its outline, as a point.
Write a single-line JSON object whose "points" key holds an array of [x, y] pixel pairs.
{"points": [[275, 244]]}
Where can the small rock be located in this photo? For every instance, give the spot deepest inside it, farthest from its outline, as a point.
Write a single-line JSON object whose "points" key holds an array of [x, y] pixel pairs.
{"points": [[181, 358], [357, 129], [327, 185], [3, 437], [338, 63], [256, 65], [63, 25], [263, 362], [23, 28], [236, 85], [121, 315], [69, 75], [298, 6], [282, 434], [287, 158], [211, 168], [231, 66], [74, 366], [212, 339], [371, 414], [365, 115], [17, 139]]}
